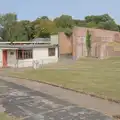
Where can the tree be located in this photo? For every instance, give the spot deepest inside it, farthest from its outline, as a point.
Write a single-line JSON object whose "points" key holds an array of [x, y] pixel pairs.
{"points": [[109, 25], [102, 22], [7, 20], [16, 32], [44, 18], [1, 32], [7, 32], [91, 25], [44, 33], [119, 28], [106, 18], [25, 30], [45, 27], [64, 21], [28, 28], [80, 23], [98, 18], [88, 43], [68, 32]]}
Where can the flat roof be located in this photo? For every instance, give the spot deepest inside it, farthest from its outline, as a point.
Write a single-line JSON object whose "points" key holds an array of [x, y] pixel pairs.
{"points": [[26, 46], [25, 42]]}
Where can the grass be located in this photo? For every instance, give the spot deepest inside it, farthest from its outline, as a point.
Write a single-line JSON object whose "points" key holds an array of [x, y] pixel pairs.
{"points": [[3, 116], [101, 77]]}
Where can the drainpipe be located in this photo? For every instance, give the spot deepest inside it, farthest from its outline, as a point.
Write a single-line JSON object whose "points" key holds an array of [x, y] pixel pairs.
{"points": [[17, 58], [22, 54], [58, 45]]}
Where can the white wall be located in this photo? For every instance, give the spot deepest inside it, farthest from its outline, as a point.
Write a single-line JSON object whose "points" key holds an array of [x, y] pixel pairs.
{"points": [[13, 62], [41, 55], [11, 58], [25, 63], [1, 58]]}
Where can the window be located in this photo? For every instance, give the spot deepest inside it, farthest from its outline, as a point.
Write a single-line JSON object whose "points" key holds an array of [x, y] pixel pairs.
{"points": [[20, 55], [11, 53], [25, 54], [51, 51]]}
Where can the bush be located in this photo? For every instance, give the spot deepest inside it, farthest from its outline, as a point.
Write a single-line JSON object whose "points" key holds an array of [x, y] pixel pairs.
{"points": [[68, 32]]}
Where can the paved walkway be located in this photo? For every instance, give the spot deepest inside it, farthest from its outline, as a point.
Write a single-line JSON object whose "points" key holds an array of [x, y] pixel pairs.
{"points": [[28, 104], [45, 95]]}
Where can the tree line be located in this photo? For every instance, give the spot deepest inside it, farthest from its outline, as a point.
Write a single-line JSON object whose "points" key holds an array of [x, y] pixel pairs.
{"points": [[12, 29]]}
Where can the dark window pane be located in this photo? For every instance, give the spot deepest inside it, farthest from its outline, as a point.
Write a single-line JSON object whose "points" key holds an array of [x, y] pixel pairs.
{"points": [[51, 51], [25, 54]]}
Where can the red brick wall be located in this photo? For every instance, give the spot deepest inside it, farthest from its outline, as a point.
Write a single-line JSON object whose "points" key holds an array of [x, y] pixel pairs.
{"points": [[100, 37], [65, 44], [111, 52]]}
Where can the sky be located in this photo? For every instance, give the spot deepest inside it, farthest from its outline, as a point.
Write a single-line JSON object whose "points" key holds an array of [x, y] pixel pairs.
{"points": [[31, 9]]}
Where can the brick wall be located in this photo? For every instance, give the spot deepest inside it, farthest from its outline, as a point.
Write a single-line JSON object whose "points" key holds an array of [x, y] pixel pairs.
{"points": [[112, 52], [77, 46], [99, 39], [65, 44]]}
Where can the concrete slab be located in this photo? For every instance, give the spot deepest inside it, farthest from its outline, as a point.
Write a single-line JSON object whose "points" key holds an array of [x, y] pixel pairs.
{"points": [[28, 104]]}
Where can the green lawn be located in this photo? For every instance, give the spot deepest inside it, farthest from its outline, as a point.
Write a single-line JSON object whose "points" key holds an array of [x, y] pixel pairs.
{"points": [[101, 77], [6, 117]]}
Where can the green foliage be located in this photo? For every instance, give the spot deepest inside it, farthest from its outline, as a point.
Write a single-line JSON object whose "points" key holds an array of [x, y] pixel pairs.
{"points": [[7, 19], [18, 31], [26, 30], [64, 21], [43, 28], [119, 28], [88, 43], [102, 22], [68, 32], [98, 18], [91, 25], [80, 23], [44, 33], [1, 32], [110, 25], [44, 18]]}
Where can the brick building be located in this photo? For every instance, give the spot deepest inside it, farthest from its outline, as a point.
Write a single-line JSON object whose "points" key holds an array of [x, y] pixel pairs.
{"points": [[104, 43]]}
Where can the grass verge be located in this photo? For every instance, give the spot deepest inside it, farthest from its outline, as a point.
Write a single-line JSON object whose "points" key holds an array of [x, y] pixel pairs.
{"points": [[3, 116], [99, 77]]}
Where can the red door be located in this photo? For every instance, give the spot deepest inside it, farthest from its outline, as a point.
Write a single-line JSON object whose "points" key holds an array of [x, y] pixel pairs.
{"points": [[4, 58]]}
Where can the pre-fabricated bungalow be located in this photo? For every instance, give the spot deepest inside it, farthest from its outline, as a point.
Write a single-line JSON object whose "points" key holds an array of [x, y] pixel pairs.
{"points": [[26, 54]]}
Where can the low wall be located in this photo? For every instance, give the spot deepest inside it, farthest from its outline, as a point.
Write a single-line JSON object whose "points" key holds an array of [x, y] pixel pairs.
{"points": [[31, 63], [113, 49]]}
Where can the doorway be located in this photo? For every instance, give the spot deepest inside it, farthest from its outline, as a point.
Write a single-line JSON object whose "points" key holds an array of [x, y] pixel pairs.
{"points": [[4, 58]]}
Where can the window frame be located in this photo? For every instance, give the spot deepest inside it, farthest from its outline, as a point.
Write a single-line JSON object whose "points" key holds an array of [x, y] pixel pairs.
{"points": [[24, 54], [51, 52]]}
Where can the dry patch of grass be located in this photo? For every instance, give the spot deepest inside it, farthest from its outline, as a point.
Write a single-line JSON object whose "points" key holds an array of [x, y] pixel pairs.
{"points": [[101, 77], [3, 116]]}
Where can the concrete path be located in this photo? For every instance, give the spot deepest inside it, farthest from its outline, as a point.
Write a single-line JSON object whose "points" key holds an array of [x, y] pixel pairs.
{"points": [[20, 101]]}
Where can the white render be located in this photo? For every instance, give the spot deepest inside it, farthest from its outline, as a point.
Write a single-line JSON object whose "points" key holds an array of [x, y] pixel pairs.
{"points": [[1, 57], [40, 57]]}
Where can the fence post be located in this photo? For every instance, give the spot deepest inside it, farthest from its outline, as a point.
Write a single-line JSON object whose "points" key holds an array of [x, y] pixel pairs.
{"points": [[34, 65], [37, 64], [17, 63], [42, 63]]}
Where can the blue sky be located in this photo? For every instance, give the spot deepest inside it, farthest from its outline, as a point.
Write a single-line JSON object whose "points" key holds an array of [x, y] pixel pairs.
{"points": [[31, 9]]}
